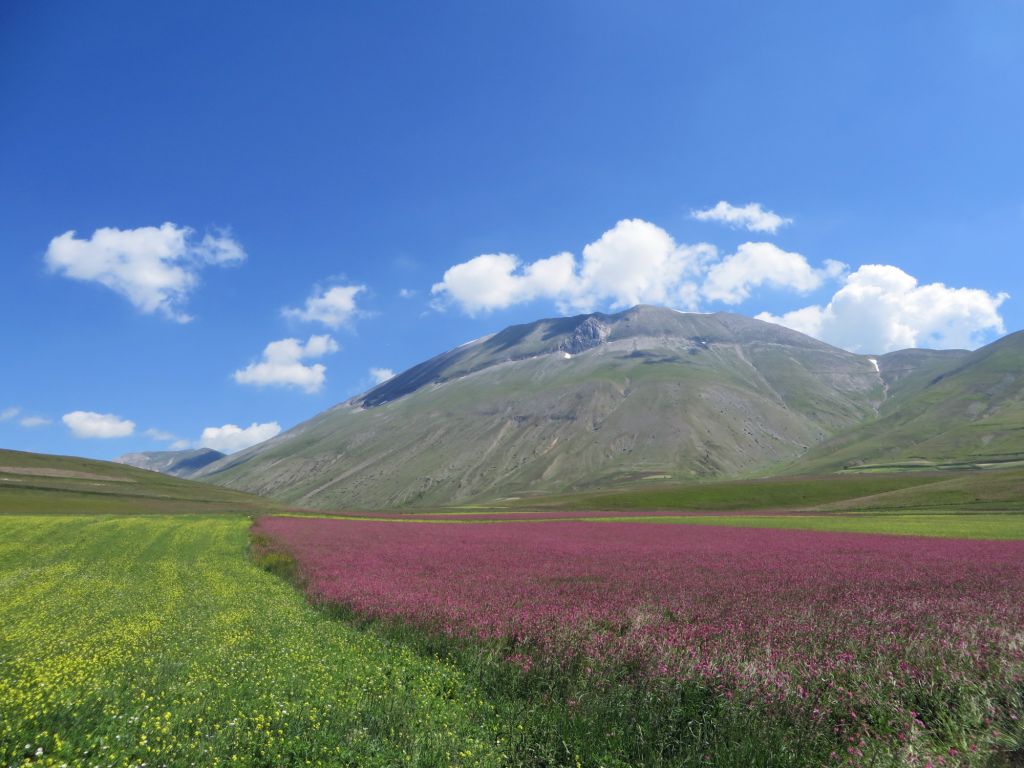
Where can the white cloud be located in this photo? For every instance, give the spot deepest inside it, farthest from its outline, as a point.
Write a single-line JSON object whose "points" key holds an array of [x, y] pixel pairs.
{"points": [[756, 264], [751, 217], [281, 364], [380, 375], [333, 307], [406, 293], [881, 308], [179, 445], [230, 437], [101, 425], [155, 268], [9, 414], [637, 262], [634, 262], [221, 249], [34, 421], [486, 282]]}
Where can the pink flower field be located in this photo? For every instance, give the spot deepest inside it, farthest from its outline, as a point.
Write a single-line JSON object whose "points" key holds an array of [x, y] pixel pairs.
{"points": [[553, 515], [870, 633], [664, 586]]}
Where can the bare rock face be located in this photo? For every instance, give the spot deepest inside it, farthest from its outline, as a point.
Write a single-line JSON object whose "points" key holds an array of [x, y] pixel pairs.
{"points": [[588, 334]]}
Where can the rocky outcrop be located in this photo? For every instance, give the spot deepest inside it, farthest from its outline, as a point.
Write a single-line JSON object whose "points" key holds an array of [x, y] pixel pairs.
{"points": [[588, 334]]}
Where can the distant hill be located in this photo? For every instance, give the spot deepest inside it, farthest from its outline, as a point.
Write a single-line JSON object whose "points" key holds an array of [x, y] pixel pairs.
{"points": [[176, 463], [574, 403], [36, 483]]}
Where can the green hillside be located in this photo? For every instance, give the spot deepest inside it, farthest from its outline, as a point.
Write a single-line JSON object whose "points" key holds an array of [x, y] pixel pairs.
{"points": [[964, 414], [32, 483]]}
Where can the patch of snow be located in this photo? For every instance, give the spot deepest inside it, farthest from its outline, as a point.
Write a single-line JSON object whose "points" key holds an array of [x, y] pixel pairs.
{"points": [[566, 356], [874, 363], [474, 341]]}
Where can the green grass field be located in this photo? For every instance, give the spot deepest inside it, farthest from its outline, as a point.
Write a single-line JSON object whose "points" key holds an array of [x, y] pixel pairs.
{"points": [[995, 526], [1007, 526], [770, 493], [153, 640]]}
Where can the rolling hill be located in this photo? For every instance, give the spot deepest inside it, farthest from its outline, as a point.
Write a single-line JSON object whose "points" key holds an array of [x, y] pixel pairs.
{"points": [[35, 483]]}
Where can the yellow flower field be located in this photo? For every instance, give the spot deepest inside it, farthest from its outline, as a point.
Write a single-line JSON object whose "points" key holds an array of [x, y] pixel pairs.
{"points": [[153, 641]]}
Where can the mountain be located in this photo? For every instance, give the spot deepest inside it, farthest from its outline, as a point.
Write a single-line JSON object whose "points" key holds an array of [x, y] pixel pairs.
{"points": [[580, 402], [176, 463]]}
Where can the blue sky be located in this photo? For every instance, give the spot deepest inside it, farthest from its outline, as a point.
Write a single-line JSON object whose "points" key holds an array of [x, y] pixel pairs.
{"points": [[423, 174]]}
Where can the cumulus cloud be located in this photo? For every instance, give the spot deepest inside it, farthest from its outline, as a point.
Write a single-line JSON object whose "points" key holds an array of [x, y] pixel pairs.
{"points": [[34, 421], [380, 375], [637, 262], [155, 268], [881, 308], [634, 262], [281, 364], [101, 425], [406, 293], [333, 307], [757, 264], [489, 281], [9, 413], [751, 217], [231, 438]]}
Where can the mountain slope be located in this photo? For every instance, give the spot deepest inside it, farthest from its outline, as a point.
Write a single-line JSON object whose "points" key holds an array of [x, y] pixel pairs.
{"points": [[175, 463], [569, 403]]}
